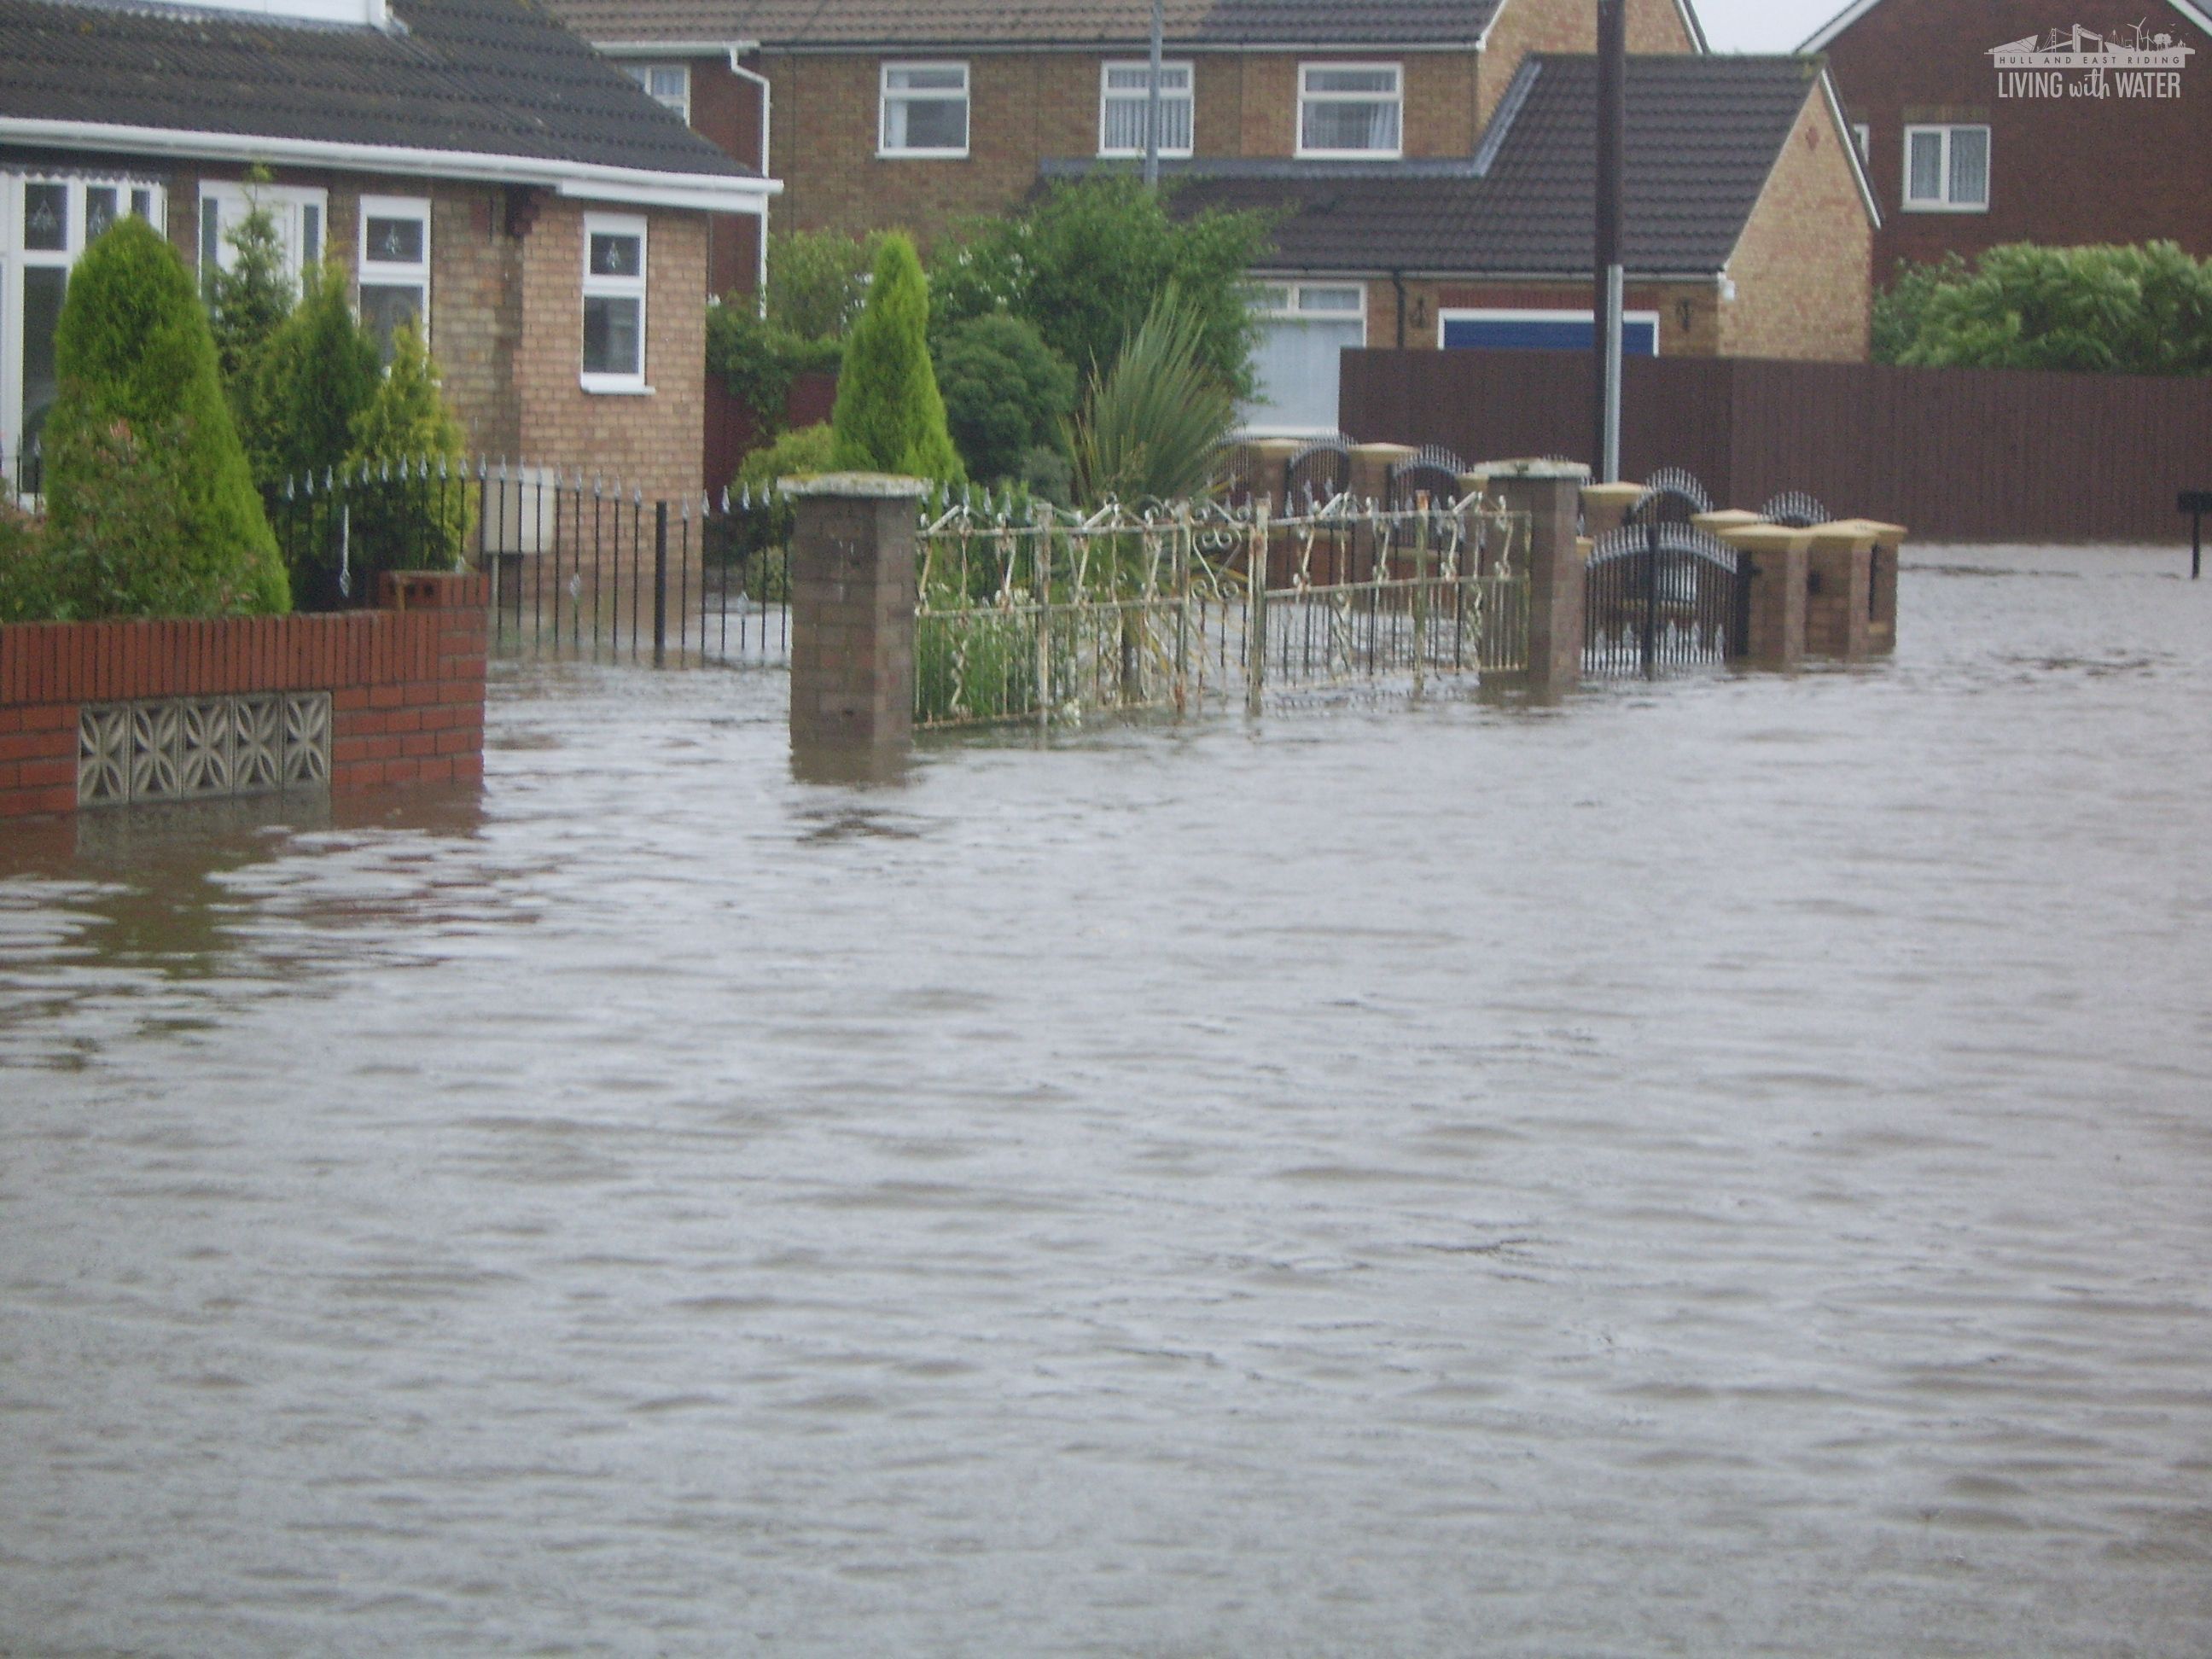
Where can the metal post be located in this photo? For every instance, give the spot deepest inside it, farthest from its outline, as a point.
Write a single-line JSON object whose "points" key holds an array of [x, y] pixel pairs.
{"points": [[1153, 102], [1420, 590], [1652, 590], [1609, 294], [660, 581], [1255, 612]]}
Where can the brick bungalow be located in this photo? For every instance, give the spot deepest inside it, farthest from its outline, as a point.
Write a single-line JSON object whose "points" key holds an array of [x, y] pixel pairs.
{"points": [[1748, 232], [469, 161], [1993, 121]]}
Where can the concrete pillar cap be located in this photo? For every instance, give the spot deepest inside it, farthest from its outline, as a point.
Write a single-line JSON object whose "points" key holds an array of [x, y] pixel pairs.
{"points": [[1499, 472], [858, 486], [1849, 531], [1276, 448], [1627, 493], [1760, 537], [1726, 518], [1385, 452]]}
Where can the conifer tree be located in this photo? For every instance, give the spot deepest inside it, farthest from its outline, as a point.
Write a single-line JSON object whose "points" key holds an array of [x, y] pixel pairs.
{"points": [[137, 366], [420, 516], [890, 416], [316, 376], [247, 303]]}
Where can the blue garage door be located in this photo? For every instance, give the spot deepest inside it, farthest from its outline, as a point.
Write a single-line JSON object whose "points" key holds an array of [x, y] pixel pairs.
{"points": [[1639, 336]]}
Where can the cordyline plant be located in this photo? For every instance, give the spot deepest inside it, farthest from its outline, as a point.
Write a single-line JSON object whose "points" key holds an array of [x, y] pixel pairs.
{"points": [[1150, 426]]}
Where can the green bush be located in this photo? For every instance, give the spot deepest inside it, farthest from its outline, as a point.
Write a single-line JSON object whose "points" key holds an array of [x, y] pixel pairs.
{"points": [[1006, 393], [758, 360], [1086, 262], [26, 571], [757, 537], [137, 374], [798, 452], [317, 373], [1151, 424], [1047, 475], [422, 519], [2143, 310], [890, 416], [818, 281]]}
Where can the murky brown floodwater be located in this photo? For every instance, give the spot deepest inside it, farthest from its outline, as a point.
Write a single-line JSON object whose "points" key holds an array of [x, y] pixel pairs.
{"points": [[1719, 1169]]}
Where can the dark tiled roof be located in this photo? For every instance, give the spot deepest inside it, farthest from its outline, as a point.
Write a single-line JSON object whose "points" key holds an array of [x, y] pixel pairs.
{"points": [[1703, 135], [857, 23], [491, 77]]}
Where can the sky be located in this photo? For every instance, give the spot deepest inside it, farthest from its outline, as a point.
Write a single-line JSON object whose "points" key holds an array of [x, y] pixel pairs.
{"points": [[1762, 24]]}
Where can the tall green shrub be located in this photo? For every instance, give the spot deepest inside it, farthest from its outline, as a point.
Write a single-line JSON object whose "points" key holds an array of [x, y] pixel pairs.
{"points": [[890, 416], [137, 366], [1151, 425], [418, 512], [316, 375], [818, 281], [1006, 393], [247, 305]]}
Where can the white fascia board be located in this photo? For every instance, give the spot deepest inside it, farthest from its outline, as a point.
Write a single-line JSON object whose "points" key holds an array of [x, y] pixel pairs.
{"points": [[1697, 41], [1851, 147], [733, 49], [952, 50], [583, 180]]}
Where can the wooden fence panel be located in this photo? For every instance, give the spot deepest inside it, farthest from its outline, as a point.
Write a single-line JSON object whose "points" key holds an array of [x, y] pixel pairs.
{"points": [[1957, 454]]}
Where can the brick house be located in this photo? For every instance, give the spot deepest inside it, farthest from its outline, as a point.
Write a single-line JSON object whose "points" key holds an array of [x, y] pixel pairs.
{"points": [[1421, 118], [471, 164], [1749, 230], [1993, 121]]}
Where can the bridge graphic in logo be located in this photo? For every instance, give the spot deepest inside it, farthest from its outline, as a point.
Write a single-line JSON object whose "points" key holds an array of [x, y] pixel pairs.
{"points": [[2081, 62]]}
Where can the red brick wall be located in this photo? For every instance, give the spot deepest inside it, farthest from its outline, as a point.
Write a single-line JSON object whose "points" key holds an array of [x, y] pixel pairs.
{"points": [[407, 686], [1522, 26], [2062, 171], [1689, 322]]}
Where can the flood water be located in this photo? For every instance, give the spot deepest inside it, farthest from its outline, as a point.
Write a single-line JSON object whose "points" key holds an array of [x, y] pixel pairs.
{"points": [[1723, 1168]]}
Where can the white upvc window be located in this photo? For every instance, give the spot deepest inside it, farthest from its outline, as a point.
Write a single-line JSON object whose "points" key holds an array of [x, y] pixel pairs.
{"points": [[1304, 328], [1350, 110], [1947, 169], [924, 111], [395, 266], [1125, 101], [301, 214], [47, 220], [1863, 136], [614, 303], [669, 84]]}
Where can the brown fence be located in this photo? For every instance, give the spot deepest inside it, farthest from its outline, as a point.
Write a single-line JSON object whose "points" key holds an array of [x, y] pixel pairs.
{"points": [[733, 430], [1959, 455]]}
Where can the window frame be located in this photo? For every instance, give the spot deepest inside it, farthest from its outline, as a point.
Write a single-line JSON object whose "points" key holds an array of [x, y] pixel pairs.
{"points": [[291, 201], [1397, 100], [631, 383], [643, 71], [1291, 308], [966, 99], [16, 260], [1946, 131], [390, 273], [1188, 97]]}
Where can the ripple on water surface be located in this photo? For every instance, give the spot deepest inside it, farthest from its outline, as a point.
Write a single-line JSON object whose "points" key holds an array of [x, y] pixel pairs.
{"points": [[1719, 1168]]}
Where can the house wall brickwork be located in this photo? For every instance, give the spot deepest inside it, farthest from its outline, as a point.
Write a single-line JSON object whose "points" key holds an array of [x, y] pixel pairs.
{"points": [[2065, 171], [1803, 268], [507, 320], [1689, 320]]}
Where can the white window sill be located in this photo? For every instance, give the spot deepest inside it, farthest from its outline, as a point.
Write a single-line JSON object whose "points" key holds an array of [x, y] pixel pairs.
{"points": [[1947, 207], [922, 155], [1139, 155], [1398, 154], [602, 387]]}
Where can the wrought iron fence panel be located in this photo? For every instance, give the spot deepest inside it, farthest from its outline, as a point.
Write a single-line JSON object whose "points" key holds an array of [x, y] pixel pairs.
{"points": [[1059, 615], [1316, 476], [1794, 508], [1662, 596]]}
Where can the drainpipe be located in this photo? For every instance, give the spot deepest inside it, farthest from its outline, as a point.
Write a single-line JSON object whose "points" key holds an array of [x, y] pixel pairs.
{"points": [[1398, 281], [760, 273]]}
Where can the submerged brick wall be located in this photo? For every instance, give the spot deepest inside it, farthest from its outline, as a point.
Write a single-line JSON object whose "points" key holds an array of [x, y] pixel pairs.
{"points": [[404, 689]]}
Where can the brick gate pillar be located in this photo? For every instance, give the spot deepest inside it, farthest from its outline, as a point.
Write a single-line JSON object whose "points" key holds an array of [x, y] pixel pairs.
{"points": [[1550, 494], [1776, 555], [1838, 574], [852, 614]]}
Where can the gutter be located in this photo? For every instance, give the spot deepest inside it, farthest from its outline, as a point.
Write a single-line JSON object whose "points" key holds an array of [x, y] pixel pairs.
{"points": [[589, 181]]}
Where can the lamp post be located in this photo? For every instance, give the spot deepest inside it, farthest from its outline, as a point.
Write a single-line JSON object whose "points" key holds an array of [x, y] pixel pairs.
{"points": [[1608, 298], [1152, 103]]}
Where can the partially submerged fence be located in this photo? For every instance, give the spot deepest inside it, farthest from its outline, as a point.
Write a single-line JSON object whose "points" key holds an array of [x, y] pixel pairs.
{"points": [[579, 566], [1047, 617]]}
